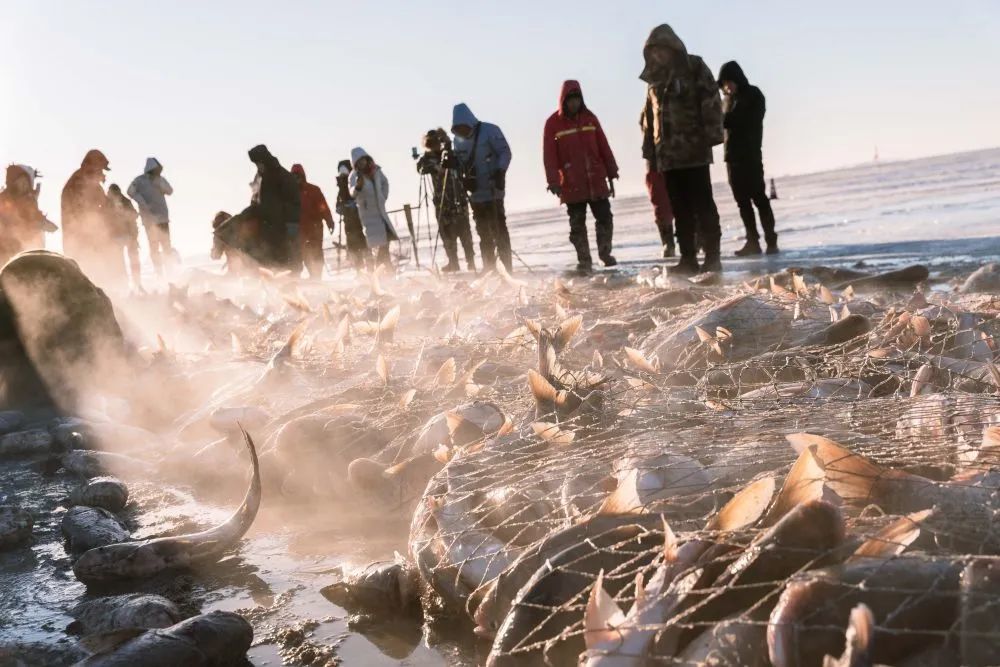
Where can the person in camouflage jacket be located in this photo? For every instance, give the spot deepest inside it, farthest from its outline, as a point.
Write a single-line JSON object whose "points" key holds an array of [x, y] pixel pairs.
{"points": [[682, 122]]}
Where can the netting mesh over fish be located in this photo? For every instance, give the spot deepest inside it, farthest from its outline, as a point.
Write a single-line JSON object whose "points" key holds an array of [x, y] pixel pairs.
{"points": [[617, 473], [636, 499]]}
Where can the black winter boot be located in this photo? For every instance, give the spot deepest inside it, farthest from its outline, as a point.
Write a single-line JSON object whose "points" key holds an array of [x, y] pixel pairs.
{"points": [[713, 264], [750, 249], [687, 266], [609, 260], [668, 250]]}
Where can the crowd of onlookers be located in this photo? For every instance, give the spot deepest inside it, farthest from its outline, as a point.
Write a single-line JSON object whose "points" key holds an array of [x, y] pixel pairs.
{"points": [[683, 119]]}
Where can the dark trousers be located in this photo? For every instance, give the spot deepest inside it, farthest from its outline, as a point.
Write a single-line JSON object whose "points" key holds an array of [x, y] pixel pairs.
{"points": [[603, 225], [455, 228], [747, 182], [695, 212], [494, 239], [312, 257]]}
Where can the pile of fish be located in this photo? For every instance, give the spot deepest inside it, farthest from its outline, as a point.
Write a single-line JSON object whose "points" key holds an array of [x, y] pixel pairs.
{"points": [[799, 469]]}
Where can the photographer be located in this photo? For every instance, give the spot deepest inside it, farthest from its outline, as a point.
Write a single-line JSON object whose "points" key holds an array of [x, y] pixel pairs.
{"points": [[483, 156], [451, 203], [347, 209]]}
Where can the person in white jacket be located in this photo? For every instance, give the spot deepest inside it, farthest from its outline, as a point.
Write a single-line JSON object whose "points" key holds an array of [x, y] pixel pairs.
{"points": [[150, 192], [370, 188]]}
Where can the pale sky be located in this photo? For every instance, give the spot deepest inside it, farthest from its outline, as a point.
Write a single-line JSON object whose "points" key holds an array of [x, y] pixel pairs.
{"points": [[196, 84]]}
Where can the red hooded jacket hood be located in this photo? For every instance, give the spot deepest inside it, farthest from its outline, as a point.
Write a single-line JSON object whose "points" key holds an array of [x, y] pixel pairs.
{"points": [[569, 88], [299, 170]]}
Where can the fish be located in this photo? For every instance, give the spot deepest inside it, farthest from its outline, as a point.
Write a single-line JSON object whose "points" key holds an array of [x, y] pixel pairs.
{"points": [[615, 639], [665, 480], [846, 389], [901, 278], [118, 612], [752, 319], [964, 516], [498, 600], [734, 641], [383, 587], [968, 342], [10, 420], [108, 493], [217, 638], [132, 560], [16, 524], [807, 536], [915, 599], [87, 528], [980, 620], [841, 331]]}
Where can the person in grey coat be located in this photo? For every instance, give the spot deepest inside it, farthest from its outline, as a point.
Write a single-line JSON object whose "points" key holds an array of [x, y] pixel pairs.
{"points": [[370, 189], [149, 191], [483, 156]]}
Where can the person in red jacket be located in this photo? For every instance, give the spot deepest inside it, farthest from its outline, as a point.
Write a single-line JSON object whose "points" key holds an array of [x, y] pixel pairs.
{"points": [[314, 212], [580, 169]]}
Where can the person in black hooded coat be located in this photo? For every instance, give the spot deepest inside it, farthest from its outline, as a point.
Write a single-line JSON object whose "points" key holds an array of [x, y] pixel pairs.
{"points": [[277, 208], [744, 107]]}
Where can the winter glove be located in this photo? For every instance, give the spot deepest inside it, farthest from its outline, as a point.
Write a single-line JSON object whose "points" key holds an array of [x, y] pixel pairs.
{"points": [[611, 185], [499, 179], [448, 160], [555, 189]]}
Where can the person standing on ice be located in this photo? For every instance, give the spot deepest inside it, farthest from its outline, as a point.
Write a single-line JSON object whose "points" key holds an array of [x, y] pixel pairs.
{"points": [[22, 224], [314, 212], [276, 209], [580, 169], [483, 156], [370, 189], [682, 122], [123, 236], [743, 119], [350, 221], [451, 202], [150, 190], [83, 204]]}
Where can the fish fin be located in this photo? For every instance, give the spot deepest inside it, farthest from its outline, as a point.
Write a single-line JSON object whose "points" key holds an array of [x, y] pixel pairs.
{"points": [[106, 642], [506, 427], [293, 339], [343, 329], [745, 508], [639, 360], [161, 345], [625, 498], [533, 327], [382, 368], [799, 284], [670, 542], [407, 398], [703, 335], [327, 315], [851, 476], [598, 359], [454, 420], [541, 388], [990, 446], [567, 329], [561, 312], [803, 483], [387, 326], [893, 539], [826, 296], [860, 630], [601, 616], [920, 325], [445, 376], [443, 453], [923, 377], [552, 434]]}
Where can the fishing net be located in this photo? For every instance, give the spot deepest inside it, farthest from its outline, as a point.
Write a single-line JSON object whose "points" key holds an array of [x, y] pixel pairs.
{"points": [[693, 411]]}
